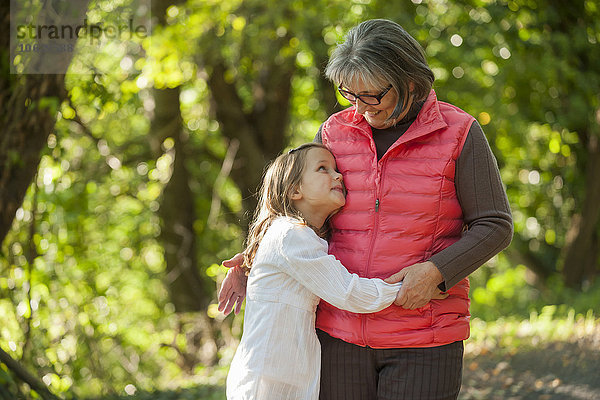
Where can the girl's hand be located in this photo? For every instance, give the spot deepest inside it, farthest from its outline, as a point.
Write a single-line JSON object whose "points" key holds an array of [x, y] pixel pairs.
{"points": [[419, 285], [233, 288]]}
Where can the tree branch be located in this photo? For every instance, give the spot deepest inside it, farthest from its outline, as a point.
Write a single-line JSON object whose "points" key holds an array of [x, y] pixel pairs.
{"points": [[26, 376], [31, 255], [215, 205]]}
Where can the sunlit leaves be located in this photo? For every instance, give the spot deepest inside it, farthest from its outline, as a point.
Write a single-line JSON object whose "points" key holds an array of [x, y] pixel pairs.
{"points": [[89, 279]]}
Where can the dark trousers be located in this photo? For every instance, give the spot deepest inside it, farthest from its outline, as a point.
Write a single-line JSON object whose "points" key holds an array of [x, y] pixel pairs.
{"points": [[351, 372]]}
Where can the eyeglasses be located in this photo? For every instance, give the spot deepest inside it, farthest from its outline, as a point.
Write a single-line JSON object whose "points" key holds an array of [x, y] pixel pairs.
{"points": [[369, 99]]}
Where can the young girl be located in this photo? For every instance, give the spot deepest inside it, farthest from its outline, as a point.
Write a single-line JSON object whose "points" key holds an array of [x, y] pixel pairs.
{"points": [[279, 356]]}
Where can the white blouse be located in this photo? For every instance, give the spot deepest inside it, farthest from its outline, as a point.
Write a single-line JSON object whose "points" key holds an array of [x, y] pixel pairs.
{"points": [[279, 356]]}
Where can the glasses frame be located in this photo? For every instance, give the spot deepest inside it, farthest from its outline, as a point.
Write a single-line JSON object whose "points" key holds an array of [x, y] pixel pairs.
{"points": [[351, 97]]}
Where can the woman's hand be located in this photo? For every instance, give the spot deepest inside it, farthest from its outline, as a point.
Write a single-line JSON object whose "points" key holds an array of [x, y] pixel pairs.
{"points": [[233, 288], [419, 285]]}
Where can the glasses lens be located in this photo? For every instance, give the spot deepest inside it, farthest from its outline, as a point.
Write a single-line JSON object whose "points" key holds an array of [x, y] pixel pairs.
{"points": [[365, 98], [347, 95], [370, 100]]}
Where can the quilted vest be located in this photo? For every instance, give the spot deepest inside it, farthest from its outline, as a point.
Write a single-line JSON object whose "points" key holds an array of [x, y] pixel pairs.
{"points": [[399, 211]]}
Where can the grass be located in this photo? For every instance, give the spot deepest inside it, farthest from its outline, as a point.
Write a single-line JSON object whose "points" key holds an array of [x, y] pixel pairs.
{"points": [[512, 334]]}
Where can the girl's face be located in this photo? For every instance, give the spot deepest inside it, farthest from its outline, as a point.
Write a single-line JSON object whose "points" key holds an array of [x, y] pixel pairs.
{"points": [[376, 115], [321, 190]]}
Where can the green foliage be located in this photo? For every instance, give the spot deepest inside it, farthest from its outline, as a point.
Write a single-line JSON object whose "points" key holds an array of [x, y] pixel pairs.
{"points": [[548, 325], [503, 293], [501, 290], [83, 291]]}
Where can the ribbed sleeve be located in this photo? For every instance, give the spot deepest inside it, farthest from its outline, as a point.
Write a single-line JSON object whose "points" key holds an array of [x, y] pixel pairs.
{"points": [[485, 209]]}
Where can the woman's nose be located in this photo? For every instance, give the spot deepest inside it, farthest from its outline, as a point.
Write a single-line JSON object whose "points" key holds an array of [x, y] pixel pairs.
{"points": [[360, 106], [337, 176]]}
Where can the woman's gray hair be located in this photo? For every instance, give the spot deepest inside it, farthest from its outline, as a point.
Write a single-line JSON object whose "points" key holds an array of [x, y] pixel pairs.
{"points": [[379, 52]]}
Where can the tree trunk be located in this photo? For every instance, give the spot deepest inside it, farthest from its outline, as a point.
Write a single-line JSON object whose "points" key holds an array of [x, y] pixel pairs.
{"points": [[28, 105], [189, 292], [25, 133], [580, 262], [581, 250], [235, 124], [177, 210]]}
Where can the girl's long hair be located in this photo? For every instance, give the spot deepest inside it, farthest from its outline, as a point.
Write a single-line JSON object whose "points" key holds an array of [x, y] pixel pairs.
{"points": [[280, 180]]}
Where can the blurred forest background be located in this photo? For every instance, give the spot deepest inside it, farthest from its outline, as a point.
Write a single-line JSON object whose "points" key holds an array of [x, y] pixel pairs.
{"points": [[127, 179]]}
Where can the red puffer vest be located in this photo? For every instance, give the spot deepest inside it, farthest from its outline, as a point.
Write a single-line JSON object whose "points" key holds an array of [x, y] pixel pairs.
{"points": [[399, 211]]}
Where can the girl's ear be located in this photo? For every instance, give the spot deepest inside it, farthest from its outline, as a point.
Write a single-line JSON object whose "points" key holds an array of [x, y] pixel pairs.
{"points": [[296, 194]]}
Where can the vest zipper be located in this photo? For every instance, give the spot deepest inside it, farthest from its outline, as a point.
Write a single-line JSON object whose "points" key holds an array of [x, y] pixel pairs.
{"points": [[370, 259]]}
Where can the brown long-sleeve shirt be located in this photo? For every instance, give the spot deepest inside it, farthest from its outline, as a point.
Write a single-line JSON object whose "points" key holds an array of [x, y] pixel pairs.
{"points": [[481, 195]]}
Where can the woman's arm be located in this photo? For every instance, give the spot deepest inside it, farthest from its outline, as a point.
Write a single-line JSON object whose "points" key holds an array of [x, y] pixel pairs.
{"points": [[485, 208], [487, 215]]}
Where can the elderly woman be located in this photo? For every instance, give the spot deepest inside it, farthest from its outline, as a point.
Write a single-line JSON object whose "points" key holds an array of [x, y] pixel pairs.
{"points": [[425, 195]]}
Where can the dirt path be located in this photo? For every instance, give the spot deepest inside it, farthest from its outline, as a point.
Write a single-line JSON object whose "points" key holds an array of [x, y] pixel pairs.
{"points": [[553, 371]]}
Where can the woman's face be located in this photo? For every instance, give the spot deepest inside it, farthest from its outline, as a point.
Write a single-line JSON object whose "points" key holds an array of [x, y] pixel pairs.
{"points": [[376, 115]]}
